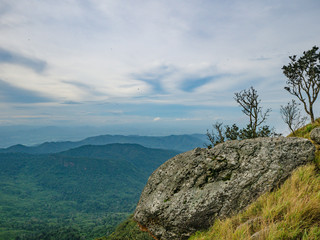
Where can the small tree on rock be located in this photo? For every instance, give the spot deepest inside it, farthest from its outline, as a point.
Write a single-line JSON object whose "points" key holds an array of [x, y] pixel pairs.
{"points": [[304, 78], [232, 133], [291, 115], [250, 103]]}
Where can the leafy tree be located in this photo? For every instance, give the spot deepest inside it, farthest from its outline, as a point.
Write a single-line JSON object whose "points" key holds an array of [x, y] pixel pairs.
{"points": [[291, 115], [250, 103], [232, 133], [264, 131], [304, 78], [221, 134]]}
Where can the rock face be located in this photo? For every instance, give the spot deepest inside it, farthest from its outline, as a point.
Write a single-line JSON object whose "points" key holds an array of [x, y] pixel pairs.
{"points": [[315, 135], [189, 191]]}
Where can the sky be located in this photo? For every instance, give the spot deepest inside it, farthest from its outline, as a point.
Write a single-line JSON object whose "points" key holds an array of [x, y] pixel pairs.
{"points": [[152, 67]]}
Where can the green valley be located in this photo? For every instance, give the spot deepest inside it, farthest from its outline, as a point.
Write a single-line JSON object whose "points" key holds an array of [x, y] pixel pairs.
{"points": [[81, 193]]}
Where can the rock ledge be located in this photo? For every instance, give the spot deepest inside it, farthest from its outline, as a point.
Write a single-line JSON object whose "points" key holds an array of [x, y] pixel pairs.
{"points": [[189, 191]]}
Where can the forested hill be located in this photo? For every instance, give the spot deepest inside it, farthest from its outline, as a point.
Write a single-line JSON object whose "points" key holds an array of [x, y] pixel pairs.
{"points": [[180, 143], [81, 193], [146, 159]]}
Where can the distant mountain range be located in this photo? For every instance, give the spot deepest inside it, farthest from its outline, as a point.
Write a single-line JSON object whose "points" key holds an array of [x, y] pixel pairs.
{"points": [[90, 189], [70, 189], [180, 143]]}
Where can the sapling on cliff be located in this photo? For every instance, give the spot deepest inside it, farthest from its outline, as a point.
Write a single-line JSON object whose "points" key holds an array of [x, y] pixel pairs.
{"points": [[291, 115]]}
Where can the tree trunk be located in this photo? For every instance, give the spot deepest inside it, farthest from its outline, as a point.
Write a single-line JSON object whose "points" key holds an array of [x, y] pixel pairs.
{"points": [[311, 114]]}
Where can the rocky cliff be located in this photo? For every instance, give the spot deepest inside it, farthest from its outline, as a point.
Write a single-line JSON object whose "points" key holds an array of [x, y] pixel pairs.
{"points": [[191, 190]]}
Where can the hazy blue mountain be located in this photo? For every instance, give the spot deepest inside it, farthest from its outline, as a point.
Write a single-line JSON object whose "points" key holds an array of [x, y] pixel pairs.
{"points": [[180, 143], [175, 142], [35, 135], [89, 189]]}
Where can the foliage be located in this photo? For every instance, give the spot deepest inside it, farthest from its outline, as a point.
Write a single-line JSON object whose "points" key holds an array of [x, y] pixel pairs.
{"points": [[52, 233], [219, 134], [83, 192], [263, 131], [304, 78], [305, 131], [127, 230], [232, 133]]}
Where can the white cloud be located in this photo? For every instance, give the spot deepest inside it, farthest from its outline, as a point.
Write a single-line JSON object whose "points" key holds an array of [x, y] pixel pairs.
{"points": [[156, 119], [99, 50]]}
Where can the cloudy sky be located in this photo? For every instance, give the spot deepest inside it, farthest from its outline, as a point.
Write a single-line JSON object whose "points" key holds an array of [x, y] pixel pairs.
{"points": [[164, 65]]}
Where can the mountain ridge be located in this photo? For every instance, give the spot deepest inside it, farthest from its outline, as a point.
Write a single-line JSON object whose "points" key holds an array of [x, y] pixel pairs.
{"points": [[179, 143]]}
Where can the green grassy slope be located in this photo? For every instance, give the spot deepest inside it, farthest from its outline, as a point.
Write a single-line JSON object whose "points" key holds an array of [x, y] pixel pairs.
{"points": [[291, 212]]}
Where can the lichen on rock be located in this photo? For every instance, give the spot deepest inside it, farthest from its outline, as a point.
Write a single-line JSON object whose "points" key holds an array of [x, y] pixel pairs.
{"points": [[188, 192]]}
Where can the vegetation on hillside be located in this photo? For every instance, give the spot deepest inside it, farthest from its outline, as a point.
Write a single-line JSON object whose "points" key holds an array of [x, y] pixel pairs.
{"points": [[128, 230], [79, 194], [291, 212], [304, 132]]}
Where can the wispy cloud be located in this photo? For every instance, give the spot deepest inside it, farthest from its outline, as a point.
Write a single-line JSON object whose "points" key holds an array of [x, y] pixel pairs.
{"points": [[261, 58], [12, 94], [71, 102], [190, 84], [9, 57], [155, 77]]}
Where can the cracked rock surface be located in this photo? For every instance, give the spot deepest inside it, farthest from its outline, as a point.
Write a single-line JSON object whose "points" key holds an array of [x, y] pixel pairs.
{"points": [[188, 192]]}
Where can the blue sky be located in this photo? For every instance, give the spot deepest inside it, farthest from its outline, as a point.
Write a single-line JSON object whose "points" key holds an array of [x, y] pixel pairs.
{"points": [[168, 66]]}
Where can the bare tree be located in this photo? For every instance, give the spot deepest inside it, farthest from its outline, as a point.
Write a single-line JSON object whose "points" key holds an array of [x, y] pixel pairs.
{"points": [[217, 136], [249, 101], [291, 115], [304, 78]]}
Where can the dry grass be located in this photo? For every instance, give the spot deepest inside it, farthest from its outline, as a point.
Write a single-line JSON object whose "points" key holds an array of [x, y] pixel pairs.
{"points": [[291, 212]]}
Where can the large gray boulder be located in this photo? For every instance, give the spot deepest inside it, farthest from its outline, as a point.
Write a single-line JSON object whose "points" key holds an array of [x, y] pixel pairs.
{"points": [[315, 135], [191, 190]]}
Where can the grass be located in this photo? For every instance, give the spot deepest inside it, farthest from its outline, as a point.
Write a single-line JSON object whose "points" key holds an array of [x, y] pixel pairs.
{"points": [[291, 212], [304, 132]]}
